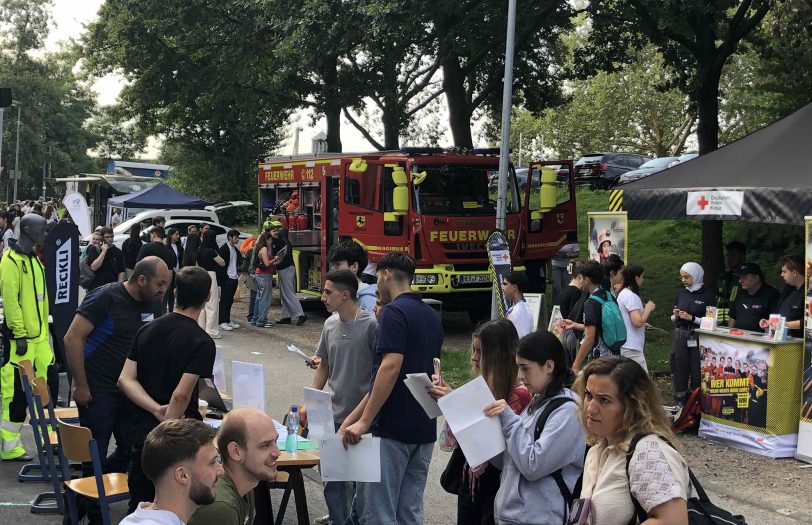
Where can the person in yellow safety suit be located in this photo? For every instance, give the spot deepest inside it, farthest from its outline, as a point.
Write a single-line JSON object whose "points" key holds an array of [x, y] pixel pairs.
{"points": [[25, 305]]}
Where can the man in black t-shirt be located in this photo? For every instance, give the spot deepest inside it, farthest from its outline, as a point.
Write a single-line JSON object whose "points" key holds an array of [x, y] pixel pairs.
{"points": [[96, 346], [157, 248], [756, 301], [106, 261], [160, 375], [591, 276]]}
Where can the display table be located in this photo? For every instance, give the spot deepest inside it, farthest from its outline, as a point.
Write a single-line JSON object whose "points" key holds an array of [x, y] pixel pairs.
{"points": [[751, 391]]}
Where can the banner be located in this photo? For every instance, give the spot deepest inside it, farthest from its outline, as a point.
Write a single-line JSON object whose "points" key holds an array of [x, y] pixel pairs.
{"points": [[748, 386], [804, 452], [500, 265], [608, 234], [62, 277], [79, 213]]}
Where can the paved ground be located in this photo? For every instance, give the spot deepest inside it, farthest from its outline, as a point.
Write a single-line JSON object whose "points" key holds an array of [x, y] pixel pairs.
{"points": [[774, 501]]}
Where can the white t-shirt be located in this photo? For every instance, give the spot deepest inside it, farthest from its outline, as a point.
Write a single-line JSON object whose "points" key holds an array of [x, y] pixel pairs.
{"points": [[628, 301], [144, 515], [232, 262], [519, 314]]}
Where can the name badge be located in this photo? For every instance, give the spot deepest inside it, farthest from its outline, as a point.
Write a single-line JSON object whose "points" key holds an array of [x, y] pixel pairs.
{"points": [[692, 343], [145, 318]]}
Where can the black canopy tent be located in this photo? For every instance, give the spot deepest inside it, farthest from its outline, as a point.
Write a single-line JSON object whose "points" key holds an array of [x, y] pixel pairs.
{"points": [[763, 177]]}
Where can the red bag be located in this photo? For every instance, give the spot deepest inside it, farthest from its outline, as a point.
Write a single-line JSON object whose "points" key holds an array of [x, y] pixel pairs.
{"points": [[687, 419]]}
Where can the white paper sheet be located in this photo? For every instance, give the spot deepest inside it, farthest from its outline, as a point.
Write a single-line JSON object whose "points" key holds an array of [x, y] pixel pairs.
{"points": [[417, 385], [361, 462], [295, 349], [479, 437], [248, 385], [219, 369], [320, 419]]}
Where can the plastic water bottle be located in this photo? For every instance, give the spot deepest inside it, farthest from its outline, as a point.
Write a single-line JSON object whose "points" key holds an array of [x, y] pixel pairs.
{"points": [[292, 442]]}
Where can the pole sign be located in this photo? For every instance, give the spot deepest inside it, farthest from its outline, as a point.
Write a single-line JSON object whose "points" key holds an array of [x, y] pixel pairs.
{"points": [[500, 265]]}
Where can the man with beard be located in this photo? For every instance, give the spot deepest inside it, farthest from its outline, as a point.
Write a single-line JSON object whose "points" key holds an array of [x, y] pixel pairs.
{"points": [[96, 345], [160, 375], [181, 460], [247, 444]]}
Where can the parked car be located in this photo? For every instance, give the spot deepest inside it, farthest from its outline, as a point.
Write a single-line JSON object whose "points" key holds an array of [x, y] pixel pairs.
{"points": [[648, 168], [602, 170], [521, 179], [688, 156]]}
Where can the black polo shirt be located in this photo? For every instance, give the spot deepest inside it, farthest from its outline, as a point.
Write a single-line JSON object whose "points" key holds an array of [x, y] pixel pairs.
{"points": [[749, 309], [791, 306]]}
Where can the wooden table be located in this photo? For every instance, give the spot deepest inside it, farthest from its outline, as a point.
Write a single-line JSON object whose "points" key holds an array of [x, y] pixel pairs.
{"points": [[292, 463]]}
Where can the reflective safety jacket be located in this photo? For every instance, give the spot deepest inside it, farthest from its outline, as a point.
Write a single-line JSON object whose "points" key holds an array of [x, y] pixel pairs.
{"points": [[25, 299]]}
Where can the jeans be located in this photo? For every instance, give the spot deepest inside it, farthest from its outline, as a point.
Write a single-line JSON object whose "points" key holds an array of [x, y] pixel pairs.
{"points": [[561, 278], [398, 498], [252, 301], [264, 294], [227, 292]]}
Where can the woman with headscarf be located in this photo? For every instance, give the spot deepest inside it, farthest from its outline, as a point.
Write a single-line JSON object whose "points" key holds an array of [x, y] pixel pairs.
{"points": [[689, 309]]}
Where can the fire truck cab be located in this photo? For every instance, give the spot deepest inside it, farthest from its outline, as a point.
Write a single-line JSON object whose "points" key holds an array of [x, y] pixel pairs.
{"points": [[436, 205]]}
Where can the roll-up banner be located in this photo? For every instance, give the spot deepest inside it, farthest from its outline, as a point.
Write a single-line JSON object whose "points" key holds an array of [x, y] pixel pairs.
{"points": [[804, 451], [62, 277]]}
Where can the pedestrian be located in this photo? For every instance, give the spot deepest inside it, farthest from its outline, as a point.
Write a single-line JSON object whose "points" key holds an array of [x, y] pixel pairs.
{"points": [[409, 338], [349, 255], [190, 249], [160, 375], [612, 267], [346, 354], [791, 303], [539, 463], [106, 261], [248, 450], [727, 284], [756, 300], [592, 344], [689, 308], [131, 247], [182, 462], [514, 286], [228, 279], [96, 345], [159, 221], [209, 260], [282, 251], [560, 263], [493, 347], [635, 315], [191, 231], [115, 219], [176, 250], [620, 403], [6, 228], [264, 277]]}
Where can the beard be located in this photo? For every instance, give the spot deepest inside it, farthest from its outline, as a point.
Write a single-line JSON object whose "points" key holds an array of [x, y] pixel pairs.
{"points": [[201, 494]]}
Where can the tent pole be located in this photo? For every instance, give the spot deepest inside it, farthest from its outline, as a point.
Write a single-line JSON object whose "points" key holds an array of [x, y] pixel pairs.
{"points": [[712, 251]]}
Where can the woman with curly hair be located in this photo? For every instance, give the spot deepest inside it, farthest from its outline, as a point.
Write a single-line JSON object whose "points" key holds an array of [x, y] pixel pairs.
{"points": [[621, 404]]}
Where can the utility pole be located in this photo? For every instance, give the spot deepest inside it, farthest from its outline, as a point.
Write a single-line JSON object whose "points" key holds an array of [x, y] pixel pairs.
{"points": [[46, 169], [17, 149]]}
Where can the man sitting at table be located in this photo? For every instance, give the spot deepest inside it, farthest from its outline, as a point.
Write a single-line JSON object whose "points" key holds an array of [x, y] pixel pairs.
{"points": [[757, 300], [247, 444], [160, 375]]}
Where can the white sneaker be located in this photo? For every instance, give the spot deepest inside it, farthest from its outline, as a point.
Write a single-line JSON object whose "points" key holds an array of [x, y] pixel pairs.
{"points": [[214, 336], [234, 325], [226, 327]]}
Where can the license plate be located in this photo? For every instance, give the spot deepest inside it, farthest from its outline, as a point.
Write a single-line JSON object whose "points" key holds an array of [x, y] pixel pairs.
{"points": [[470, 279]]}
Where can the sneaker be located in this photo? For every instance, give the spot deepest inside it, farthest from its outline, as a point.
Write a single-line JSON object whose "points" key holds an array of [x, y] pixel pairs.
{"points": [[226, 327], [268, 325], [301, 321], [215, 336], [233, 325], [324, 520], [284, 320]]}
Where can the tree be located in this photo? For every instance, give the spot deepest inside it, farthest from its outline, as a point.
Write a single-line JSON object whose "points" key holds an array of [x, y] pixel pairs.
{"points": [[114, 136], [696, 39]]}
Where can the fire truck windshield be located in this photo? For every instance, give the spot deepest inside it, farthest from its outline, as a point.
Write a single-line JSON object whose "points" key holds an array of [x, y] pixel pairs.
{"points": [[450, 189]]}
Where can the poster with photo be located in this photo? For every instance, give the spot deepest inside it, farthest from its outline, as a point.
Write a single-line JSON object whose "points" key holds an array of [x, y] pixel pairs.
{"points": [[608, 234], [555, 320], [804, 451]]}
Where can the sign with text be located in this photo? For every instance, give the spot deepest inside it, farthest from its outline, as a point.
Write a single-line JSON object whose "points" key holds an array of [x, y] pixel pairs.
{"points": [[714, 203], [62, 276]]}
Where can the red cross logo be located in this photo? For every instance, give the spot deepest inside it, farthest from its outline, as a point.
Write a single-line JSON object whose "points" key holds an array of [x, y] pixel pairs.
{"points": [[505, 257], [702, 203]]}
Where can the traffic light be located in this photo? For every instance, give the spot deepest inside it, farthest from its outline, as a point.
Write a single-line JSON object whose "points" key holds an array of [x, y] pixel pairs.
{"points": [[5, 97]]}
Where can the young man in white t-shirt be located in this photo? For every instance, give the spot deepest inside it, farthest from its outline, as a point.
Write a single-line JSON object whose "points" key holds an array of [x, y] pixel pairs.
{"points": [[635, 315], [514, 285]]}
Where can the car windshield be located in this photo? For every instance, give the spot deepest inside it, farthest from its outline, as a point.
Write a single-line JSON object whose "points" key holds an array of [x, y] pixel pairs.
{"points": [[662, 162], [588, 159], [450, 189]]}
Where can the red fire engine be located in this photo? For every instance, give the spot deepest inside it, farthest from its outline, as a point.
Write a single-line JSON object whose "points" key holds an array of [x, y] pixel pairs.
{"points": [[436, 205]]}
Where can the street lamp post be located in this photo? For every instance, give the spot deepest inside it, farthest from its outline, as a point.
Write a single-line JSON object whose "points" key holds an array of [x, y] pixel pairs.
{"points": [[17, 148]]}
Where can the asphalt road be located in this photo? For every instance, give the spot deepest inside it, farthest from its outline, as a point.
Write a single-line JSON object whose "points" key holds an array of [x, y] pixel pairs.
{"points": [[285, 375]]}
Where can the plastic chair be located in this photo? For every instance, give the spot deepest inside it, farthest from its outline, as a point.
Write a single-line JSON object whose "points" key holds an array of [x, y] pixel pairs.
{"points": [[77, 444], [46, 502]]}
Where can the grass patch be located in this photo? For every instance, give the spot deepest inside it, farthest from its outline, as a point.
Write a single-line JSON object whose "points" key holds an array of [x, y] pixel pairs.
{"points": [[456, 366]]}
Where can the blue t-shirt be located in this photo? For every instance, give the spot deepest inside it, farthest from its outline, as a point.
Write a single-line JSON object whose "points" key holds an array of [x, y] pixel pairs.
{"points": [[411, 328]]}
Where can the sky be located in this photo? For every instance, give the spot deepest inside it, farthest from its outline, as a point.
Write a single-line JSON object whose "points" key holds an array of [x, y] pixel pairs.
{"points": [[69, 18]]}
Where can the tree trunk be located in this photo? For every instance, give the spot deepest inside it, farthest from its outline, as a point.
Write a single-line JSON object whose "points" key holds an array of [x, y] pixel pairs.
{"points": [[391, 129], [332, 106], [459, 111]]}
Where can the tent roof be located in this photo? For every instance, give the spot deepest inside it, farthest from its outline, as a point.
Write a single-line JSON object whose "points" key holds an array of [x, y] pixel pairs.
{"points": [[762, 177], [160, 196]]}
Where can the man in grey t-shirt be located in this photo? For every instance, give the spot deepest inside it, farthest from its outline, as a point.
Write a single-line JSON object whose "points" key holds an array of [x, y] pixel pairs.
{"points": [[346, 352]]}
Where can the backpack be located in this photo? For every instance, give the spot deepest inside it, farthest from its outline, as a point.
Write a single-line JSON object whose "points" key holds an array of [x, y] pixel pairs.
{"points": [[687, 419], [701, 511], [613, 329], [558, 475], [86, 273]]}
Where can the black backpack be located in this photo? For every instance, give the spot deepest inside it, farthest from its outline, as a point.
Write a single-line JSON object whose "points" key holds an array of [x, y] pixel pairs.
{"points": [[701, 511], [558, 476]]}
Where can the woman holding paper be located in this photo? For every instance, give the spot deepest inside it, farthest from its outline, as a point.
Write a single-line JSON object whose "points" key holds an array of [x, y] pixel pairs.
{"points": [[492, 347], [543, 457]]}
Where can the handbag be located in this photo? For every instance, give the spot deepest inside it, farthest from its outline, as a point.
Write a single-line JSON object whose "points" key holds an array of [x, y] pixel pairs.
{"points": [[451, 477]]}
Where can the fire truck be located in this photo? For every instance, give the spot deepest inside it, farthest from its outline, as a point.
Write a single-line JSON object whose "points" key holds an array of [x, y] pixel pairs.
{"points": [[437, 205]]}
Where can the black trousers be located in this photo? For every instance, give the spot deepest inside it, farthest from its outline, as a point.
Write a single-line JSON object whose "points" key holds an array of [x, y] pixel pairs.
{"points": [[227, 291], [685, 364]]}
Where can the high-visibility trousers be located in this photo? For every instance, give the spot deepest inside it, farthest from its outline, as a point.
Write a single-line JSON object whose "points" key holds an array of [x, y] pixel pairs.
{"points": [[14, 404]]}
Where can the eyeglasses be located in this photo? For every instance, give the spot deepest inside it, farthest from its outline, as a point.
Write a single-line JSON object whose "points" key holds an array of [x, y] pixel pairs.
{"points": [[109, 236]]}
